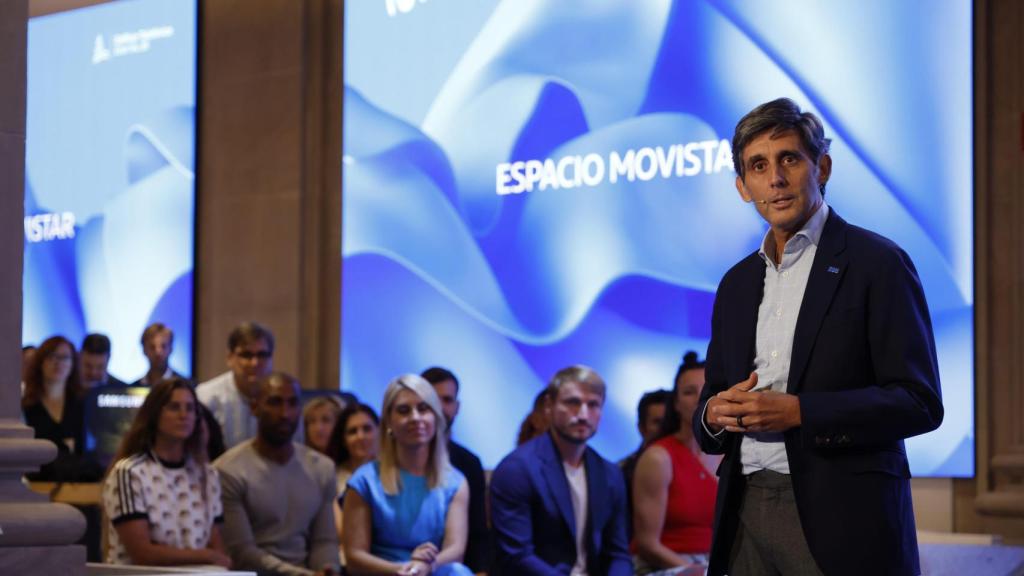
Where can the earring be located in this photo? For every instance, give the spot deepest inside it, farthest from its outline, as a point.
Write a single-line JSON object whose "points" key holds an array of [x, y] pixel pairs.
{"points": [[390, 433]]}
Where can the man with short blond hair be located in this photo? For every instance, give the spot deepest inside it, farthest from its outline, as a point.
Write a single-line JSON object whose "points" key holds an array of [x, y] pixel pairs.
{"points": [[558, 506], [157, 344]]}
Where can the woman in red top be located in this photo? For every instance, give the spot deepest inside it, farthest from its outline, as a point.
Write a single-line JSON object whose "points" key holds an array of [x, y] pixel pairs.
{"points": [[674, 487]]}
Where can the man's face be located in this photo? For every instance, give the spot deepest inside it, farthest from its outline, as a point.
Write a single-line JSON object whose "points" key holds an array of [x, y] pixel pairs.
{"points": [[576, 412], [651, 425], [448, 392], [250, 362], [157, 350], [93, 368], [782, 180], [277, 411]]}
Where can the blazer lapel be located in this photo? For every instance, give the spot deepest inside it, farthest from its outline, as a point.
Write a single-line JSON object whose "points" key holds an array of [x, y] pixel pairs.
{"points": [[826, 272], [554, 475], [597, 487]]}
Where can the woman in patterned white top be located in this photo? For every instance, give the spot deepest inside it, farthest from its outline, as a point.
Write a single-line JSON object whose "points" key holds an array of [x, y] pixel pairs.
{"points": [[161, 496]]}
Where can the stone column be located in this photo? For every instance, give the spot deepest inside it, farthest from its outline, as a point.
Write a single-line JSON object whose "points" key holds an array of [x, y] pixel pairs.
{"points": [[35, 536]]}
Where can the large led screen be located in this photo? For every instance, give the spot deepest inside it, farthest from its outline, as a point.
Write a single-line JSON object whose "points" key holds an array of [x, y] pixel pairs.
{"points": [[533, 184], [110, 173]]}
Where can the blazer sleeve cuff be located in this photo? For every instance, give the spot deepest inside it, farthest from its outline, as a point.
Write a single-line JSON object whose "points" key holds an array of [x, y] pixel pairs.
{"points": [[718, 436]]}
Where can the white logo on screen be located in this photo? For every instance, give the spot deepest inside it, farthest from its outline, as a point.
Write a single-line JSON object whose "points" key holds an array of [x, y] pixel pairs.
{"points": [[128, 43], [396, 7], [49, 226], [644, 164], [100, 52], [119, 401]]}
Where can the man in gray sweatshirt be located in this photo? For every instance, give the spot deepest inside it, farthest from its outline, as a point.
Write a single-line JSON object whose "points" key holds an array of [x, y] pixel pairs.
{"points": [[278, 495]]}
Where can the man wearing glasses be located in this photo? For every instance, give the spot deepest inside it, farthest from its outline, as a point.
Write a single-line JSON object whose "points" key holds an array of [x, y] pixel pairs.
{"points": [[228, 396]]}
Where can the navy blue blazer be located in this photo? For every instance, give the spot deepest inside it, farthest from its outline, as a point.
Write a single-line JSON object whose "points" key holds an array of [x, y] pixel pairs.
{"points": [[532, 518], [865, 371]]}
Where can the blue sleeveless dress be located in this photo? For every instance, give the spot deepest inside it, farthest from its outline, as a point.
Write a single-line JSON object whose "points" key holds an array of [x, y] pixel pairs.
{"points": [[415, 515]]}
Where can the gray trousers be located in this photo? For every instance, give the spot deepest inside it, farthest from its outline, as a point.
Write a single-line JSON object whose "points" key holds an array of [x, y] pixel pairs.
{"points": [[769, 540]]}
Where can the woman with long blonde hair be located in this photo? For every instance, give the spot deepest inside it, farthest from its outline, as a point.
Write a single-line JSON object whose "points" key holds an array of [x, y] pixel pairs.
{"points": [[407, 512]]}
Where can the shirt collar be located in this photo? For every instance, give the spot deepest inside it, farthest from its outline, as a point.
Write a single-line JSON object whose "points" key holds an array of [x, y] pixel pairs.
{"points": [[811, 231]]}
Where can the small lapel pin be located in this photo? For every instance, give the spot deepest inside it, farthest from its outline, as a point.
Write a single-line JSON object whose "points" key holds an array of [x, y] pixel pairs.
{"points": [[833, 269]]}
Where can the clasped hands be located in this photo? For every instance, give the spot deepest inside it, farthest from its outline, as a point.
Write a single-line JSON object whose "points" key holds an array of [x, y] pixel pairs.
{"points": [[422, 561], [738, 409]]}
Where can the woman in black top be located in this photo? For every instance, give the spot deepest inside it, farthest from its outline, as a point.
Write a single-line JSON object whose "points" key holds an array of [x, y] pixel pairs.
{"points": [[52, 406]]}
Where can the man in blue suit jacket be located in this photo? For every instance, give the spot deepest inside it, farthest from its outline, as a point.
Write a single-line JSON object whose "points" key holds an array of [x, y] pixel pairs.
{"points": [[557, 506], [821, 363]]}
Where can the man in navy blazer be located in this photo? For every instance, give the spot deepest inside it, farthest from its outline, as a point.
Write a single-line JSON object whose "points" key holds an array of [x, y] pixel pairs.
{"points": [[557, 506], [821, 363]]}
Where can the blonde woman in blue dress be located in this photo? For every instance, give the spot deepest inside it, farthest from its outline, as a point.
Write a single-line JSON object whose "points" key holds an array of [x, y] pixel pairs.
{"points": [[407, 513]]}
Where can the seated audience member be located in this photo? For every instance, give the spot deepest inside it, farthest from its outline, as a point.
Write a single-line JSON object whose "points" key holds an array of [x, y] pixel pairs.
{"points": [[213, 438], [406, 513], [478, 545], [250, 359], [650, 413], [93, 360], [536, 422], [52, 407], [162, 497], [27, 353], [675, 486], [157, 345], [318, 418], [353, 443], [557, 506], [278, 494]]}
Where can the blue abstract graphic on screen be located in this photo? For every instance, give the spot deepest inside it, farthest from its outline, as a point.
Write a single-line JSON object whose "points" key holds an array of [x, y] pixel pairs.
{"points": [[528, 185], [110, 172]]}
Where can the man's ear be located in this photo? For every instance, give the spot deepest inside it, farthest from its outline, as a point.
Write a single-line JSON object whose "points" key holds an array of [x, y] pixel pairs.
{"points": [[824, 169], [458, 404], [742, 189]]}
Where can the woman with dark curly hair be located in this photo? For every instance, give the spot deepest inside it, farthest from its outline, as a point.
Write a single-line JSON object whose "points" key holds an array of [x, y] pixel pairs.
{"points": [[161, 496], [353, 443]]}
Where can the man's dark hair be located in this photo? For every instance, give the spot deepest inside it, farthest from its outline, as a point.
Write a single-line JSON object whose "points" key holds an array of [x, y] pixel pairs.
{"points": [[97, 344], [778, 116], [649, 399], [249, 332], [436, 375]]}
